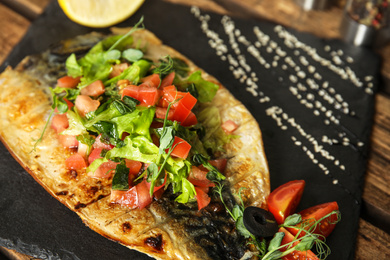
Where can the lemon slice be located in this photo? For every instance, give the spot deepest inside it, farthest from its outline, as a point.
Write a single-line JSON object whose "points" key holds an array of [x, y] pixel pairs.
{"points": [[99, 13]]}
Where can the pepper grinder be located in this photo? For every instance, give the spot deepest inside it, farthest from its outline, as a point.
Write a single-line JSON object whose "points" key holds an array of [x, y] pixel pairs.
{"points": [[362, 19]]}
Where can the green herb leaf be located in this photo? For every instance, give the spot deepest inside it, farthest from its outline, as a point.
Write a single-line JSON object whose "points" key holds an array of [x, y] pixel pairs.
{"points": [[73, 68], [132, 55], [187, 191], [276, 241], [241, 227], [306, 243], [120, 180], [166, 139], [292, 220], [109, 132]]}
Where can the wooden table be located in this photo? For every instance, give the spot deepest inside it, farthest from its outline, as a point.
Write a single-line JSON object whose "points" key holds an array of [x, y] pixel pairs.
{"points": [[373, 238]]}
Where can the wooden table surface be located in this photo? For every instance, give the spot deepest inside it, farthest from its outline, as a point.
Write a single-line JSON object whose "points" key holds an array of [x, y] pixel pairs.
{"points": [[373, 238]]}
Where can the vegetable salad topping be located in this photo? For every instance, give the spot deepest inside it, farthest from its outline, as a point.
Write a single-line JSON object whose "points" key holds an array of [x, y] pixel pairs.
{"points": [[146, 125]]}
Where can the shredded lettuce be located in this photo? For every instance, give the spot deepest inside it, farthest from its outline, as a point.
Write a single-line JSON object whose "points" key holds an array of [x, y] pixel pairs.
{"points": [[214, 136], [138, 122], [206, 89]]}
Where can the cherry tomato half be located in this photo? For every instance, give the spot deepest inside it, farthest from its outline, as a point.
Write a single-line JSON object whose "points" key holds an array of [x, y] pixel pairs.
{"points": [[315, 213], [284, 200]]}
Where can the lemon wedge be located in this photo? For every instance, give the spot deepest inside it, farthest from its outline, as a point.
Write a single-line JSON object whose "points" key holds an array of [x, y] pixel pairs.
{"points": [[99, 13]]}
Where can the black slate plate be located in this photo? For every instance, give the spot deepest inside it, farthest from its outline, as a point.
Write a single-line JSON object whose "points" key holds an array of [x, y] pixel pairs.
{"points": [[36, 224]]}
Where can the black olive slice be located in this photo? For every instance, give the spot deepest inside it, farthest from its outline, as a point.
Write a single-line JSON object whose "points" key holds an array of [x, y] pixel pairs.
{"points": [[260, 222]]}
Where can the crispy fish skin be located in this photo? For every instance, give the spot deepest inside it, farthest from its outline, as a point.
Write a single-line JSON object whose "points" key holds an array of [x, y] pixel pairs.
{"points": [[164, 230]]}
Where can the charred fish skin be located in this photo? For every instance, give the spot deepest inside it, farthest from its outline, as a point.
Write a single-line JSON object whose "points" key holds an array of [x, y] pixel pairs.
{"points": [[211, 228]]}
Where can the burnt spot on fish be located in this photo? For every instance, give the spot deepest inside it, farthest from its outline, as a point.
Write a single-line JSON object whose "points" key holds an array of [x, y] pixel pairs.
{"points": [[155, 242], [80, 205], [62, 193], [126, 227]]}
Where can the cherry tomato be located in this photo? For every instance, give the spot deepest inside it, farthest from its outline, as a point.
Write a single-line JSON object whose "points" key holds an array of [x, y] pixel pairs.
{"points": [[284, 200], [295, 255], [312, 214]]}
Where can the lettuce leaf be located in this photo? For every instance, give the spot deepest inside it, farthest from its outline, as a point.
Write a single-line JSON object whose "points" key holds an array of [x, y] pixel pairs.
{"points": [[138, 122]]}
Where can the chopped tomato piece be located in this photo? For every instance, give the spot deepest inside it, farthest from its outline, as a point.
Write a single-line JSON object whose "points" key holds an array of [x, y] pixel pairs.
{"points": [[127, 198], [60, 122], [220, 164], [284, 200], [134, 166], [99, 144], [152, 80], [168, 80], [105, 170], [70, 105], [95, 154], [180, 112], [229, 126], [190, 120], [143, 195], [68, 82], [188, 100], [68, 141], [145, 94], [295, 255], [198, 178], [85, 104], [75, 162], [94, 89], [170, 94], [181, 148], [202, 198], [161, 113], [117, 69], [315, 213]]}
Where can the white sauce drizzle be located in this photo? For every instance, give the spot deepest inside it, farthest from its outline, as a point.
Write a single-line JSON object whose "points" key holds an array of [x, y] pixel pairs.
{"points": [[304, 83]]}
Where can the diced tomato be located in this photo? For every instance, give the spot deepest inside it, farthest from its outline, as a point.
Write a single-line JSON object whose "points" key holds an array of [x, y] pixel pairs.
{"points": [[94, 89], [70, 105], [127, 198], [143, 195], [202, 198], [161, 113], [95, 154], [170, 94], [117, 69], [68, 82], [75, 162], [180, 112], [188, 100], [134, 166], [198, 178], [204, 189], [99, 144], [60, 122], [295, 255], [220, 164], [157, 188], [82, 149], [312, 214], [145, 94], [168, 80], [181, 148], [152, 80], [229, 126], [284, 200], [190, 120], [105, 170], [68, 141], [131, 91], [85, 104]]}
